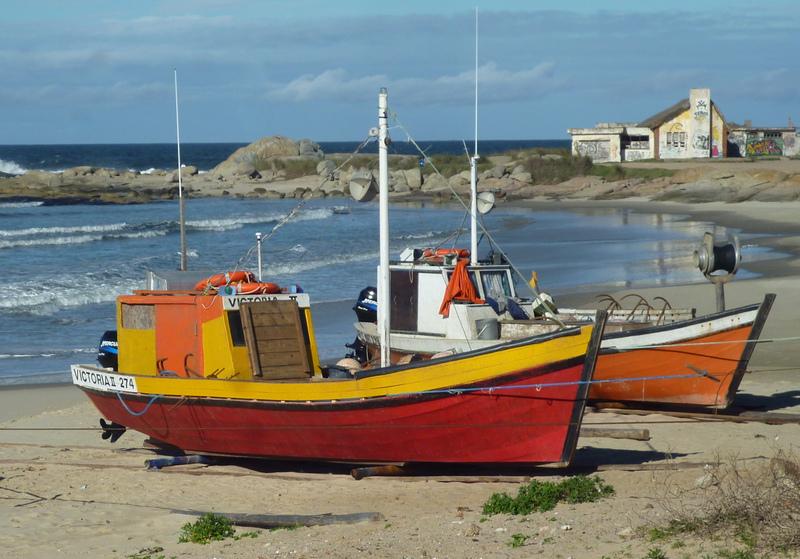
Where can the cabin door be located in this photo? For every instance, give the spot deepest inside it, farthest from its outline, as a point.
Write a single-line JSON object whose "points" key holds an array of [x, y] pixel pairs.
{"points": [[177, 347]]}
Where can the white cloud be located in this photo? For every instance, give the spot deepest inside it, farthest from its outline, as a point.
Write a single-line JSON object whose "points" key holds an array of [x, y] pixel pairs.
{"points": [[495, 85]]}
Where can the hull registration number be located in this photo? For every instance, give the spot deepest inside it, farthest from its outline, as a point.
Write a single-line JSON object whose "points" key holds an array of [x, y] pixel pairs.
{"points": [[102, 380]]}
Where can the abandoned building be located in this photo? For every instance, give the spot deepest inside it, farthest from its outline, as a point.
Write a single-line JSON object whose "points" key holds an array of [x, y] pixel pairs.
{"points": [[693, 128]]}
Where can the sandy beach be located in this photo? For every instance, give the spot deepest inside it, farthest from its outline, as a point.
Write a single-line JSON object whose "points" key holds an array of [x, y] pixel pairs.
{"points": [[67, 493]]}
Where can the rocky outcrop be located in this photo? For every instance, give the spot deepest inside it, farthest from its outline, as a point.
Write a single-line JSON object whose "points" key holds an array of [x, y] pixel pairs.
{"points": [[244, 160]]}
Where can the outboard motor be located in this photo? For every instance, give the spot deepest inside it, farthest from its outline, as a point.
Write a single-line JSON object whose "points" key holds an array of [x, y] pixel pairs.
{"points": [[366, 306], [108, 351]]}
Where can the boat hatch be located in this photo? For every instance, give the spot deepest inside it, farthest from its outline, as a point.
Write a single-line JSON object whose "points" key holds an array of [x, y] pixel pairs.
{"points": [[277, 340]]}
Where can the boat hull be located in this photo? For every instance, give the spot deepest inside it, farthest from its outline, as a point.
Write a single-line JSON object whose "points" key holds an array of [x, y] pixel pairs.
{"points": [[514, 421], [706, 358]]}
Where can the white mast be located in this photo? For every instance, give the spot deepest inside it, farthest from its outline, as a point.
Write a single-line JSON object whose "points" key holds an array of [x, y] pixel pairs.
{"points": [[473, 166], [384, 296], [180, 182]]}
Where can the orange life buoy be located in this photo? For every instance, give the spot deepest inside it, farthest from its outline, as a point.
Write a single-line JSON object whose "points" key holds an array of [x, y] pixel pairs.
{"points": [[256, 287], [437, 255], [224, 279]]}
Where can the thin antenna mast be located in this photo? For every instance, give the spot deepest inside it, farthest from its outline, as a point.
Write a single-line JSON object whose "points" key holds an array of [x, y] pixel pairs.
{"points": [[181, 217], [473, 167]]}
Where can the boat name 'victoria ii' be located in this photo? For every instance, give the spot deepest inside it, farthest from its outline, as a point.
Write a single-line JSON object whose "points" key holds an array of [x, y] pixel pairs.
{"points": [[101, 380], [232, 302]]}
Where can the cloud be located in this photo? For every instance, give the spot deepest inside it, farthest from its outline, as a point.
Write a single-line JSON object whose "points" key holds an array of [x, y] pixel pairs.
{"points": [[57, 94], [495, 85]]}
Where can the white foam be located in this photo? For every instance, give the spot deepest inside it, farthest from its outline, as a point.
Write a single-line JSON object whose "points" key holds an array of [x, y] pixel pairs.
{"points": [[20, 204], [75, 290], [11, 168], [413, 236], [62, 230], [146, 171], [288, 268], [227, 224], [54, 353], [78, 239]]}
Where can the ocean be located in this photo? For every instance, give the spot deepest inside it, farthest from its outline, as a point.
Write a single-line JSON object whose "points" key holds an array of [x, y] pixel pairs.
{"points": [[16, 159], [66, 264]]}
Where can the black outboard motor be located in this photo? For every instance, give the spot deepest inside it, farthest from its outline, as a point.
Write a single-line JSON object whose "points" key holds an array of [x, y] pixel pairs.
{"points": [[366, 306], [108, 351]]}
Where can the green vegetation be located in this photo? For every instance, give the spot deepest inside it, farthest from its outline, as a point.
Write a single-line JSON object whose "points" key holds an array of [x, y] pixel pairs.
{"points": [[209, 527], [655, 553], [615, 172], [518, 540], [449, 165], [541, 496]]}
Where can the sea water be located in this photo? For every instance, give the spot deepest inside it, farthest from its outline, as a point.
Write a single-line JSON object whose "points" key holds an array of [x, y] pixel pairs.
{"points": [[65, 265]]}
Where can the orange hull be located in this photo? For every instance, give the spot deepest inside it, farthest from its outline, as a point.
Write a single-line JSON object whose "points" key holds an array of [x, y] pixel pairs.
{"points": [[721, 362]]}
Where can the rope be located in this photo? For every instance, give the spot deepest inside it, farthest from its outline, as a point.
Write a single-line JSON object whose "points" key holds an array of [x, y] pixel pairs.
{"points": [[139, 413]]}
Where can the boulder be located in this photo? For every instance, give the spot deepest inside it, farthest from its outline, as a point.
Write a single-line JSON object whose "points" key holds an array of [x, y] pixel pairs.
{"points": [[521, 176], [458, 180], [80, 171], [307, 148], [497, 172], [266, 148], [325, 167], [552, 156], [433, 183], [517, 170], [413, 178]]}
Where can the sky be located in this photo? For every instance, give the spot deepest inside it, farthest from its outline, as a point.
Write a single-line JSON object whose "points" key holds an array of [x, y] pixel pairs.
{"points": [[101, 71]]}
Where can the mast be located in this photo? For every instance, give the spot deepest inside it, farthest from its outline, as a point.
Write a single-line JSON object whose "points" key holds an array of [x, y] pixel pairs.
{"points": [[181, 217], [384, 296], [473, 167]]}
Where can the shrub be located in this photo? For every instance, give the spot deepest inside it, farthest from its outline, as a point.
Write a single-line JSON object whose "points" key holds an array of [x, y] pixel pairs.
{"points": [[209, 527], [541, 496]]}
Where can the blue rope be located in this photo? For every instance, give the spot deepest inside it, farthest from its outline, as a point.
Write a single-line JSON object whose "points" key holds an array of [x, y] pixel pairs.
{"points": [[134, 413]]}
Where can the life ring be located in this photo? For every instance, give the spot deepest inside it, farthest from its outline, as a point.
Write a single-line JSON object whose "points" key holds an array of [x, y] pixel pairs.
{"points": [[226, 278], [256, 287], [436, 256]]}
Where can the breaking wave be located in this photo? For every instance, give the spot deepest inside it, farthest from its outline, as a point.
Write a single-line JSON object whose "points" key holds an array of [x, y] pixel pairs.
{"points": [[20, 204], [71, 291], [54, 353], [62, 230], [79, 239], [11, 167], [287, 268]]}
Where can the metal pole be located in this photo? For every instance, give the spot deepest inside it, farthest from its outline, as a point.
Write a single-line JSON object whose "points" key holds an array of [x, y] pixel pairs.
{"points": [[473, 167], [181, 217], [384, 296], [719, 287], [258, 243]]}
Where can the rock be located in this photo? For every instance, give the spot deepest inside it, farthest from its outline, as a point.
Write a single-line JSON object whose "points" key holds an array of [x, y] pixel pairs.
{"points": [[522, 176], [434, 183], [566, 527], [307, 148], [517, 170], [189, 170], [401, 188], [625, 532], [552, 156], [243, 169], [81, 171], [473, 531], [325, 167], [266, 148], [414, 178], [458, 180], [498, 172]]}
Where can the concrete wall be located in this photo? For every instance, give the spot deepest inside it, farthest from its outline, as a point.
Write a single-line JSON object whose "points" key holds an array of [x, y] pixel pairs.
{"points": [[698, 132], [601, 145], [637, 150], [760, 143]]}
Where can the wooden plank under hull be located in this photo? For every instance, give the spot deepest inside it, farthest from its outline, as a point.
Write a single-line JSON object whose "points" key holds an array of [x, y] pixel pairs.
{"points": [[529, 424]]}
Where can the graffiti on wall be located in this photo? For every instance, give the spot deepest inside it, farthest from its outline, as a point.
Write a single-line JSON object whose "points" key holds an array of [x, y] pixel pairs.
{"points": [[701, 142], [701, 109], [767, 146], [636, 154], [596, 149]]}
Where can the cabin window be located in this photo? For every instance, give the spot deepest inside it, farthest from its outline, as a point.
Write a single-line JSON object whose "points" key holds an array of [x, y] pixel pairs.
{"points": [[495, 284], [237, 332], [138, 317]]}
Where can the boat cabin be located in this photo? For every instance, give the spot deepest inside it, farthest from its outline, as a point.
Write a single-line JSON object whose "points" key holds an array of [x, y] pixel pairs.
{"points": [[240, 337]]}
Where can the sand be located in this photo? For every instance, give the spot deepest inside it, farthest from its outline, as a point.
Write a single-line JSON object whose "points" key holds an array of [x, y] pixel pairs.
{"points": [[67, 493]]}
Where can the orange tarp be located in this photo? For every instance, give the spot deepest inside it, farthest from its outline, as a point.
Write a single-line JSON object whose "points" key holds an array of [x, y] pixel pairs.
{"points": [[459, 288]]}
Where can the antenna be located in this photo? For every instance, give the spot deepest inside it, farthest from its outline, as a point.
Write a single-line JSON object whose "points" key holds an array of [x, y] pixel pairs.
{"points": [[473, 167], [476, 82], [181, 218]]}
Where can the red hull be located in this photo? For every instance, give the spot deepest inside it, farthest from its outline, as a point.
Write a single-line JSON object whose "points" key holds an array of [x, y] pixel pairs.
{"points": [[521, 425]]}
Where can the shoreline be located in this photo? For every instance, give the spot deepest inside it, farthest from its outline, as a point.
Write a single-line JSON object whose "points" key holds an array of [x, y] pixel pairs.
{"points": [[86, 497]]}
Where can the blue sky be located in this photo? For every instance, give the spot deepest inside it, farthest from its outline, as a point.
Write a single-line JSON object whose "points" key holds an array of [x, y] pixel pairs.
{"points": [[101, 71]]}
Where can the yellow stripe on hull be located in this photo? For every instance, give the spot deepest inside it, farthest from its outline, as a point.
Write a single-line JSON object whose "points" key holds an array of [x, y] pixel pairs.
{"points": [[426, 376]]}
